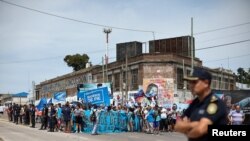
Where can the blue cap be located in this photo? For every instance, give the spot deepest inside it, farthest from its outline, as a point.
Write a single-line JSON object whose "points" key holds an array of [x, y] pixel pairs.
{"points": [[199, 74]]}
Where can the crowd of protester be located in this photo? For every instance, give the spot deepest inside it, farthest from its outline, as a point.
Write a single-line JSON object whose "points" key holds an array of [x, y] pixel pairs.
{"points": [[19, 114], [71, 118]]}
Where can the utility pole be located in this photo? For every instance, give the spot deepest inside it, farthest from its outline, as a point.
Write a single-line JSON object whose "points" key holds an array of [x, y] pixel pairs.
{"points": [[33, 92], [192, 47], [222, 77], [103, 75], [185, 82], [154, 40], [121, 84], [107, 31], [126, 79]]}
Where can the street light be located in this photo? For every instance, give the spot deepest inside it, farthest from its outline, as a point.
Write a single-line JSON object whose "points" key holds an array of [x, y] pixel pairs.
{"points": [[107, 31]]}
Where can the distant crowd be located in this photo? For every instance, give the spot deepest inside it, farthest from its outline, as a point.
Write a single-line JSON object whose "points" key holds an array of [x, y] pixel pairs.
{"points": [[72, 118]]}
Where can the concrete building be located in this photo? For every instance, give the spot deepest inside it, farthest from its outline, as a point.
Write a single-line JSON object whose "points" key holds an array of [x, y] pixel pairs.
{"points": [[67, 82], [5, 99], [163, 67], [19, 98]]}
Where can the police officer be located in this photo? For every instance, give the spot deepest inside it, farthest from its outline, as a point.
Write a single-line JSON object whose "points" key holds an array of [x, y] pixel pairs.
{"points": [[33, 116], [45, 117], [16, 113], [52, 118], [206, 109]]}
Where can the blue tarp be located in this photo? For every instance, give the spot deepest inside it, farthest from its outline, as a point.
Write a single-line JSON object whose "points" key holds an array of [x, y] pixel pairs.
{"points": [[112, 121], [22, 94]]}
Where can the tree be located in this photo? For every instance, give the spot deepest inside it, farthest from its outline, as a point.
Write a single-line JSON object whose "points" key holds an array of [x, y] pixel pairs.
{"points": [[243, 76], [77, 61]]}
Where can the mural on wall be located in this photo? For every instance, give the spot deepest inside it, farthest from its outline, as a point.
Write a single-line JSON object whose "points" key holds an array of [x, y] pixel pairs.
{"points": [[160, 90]]}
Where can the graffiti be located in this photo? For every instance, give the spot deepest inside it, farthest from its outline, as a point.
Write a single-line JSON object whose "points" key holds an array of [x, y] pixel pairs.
{"points": [[160, 89]]}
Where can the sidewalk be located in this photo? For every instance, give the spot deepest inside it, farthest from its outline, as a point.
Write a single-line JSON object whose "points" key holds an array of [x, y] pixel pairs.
{"points": [[4, 117]]}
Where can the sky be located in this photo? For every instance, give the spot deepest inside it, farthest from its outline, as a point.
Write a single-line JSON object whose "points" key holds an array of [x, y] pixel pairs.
{"points": [[33, 45]]}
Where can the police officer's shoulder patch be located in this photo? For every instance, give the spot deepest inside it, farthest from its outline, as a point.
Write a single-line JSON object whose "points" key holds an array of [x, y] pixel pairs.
{"points": [[213, 99], [212, 108]]}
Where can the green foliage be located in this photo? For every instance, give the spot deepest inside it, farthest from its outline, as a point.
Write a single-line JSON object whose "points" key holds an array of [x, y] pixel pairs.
{"points": [[243, 76], [77, 61]]}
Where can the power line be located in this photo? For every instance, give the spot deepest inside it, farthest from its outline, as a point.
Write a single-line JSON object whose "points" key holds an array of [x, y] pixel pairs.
{"points": [[222, 28], [75, 20], [233, 57], [223, 45], [114, 27], [97, 51], [49, 58], [222, 37]]}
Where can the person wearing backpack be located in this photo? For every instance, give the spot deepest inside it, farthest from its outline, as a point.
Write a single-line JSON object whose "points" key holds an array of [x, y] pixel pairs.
{"points": [[150, 119], [94, 118], [131, 118]]}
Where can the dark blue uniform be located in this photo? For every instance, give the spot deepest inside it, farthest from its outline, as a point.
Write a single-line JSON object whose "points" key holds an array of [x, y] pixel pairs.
{"points": [[211, 107]]}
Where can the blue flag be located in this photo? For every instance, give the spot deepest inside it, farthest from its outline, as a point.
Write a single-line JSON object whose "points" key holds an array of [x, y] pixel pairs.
{"points": [[41, 104], [60, 97]]}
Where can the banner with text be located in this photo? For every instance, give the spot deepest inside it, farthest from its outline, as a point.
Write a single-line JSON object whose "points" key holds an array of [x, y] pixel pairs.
{"points": [[96, 96]]}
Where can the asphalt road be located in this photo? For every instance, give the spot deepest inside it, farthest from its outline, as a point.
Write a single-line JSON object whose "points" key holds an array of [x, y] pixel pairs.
{"points": [[12, 132]]}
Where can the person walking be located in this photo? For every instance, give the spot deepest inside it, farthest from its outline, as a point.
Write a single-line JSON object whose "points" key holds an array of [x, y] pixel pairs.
{"points": [[94, 118]]}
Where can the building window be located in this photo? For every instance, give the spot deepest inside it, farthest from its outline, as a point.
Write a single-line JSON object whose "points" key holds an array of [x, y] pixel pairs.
{"points": [[110, 78], [180, 82], [213, 84], [134, 79], [37, 95], [117, 81], [226, 86], [90, 78], [124, 77]]}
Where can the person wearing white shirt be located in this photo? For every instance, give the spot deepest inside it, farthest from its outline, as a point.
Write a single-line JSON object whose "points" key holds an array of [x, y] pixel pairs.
{"points": [[163, 122]]}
